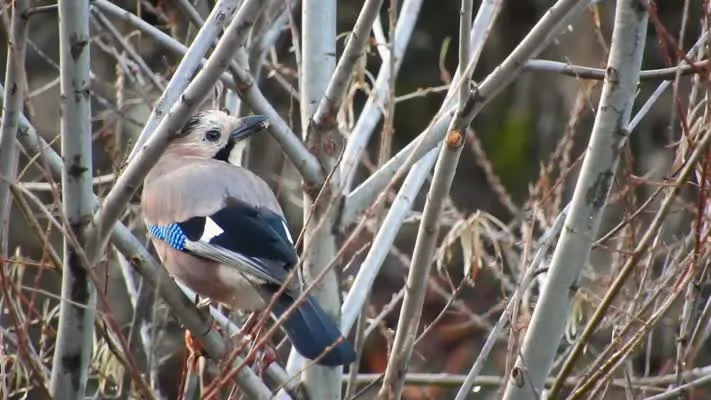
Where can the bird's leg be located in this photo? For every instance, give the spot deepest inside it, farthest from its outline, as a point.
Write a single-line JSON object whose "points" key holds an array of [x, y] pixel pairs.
{"points": [[191, 344]]}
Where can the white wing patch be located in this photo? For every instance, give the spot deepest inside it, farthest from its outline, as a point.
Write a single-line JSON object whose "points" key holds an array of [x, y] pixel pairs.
{"points": [[286, 229], [210, 230]]}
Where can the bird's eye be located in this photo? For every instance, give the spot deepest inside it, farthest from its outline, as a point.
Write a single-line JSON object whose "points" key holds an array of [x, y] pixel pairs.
{"points": [[212, 135]]}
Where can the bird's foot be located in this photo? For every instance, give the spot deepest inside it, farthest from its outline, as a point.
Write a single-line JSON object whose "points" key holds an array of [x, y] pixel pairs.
{"points": [[204, 303]]}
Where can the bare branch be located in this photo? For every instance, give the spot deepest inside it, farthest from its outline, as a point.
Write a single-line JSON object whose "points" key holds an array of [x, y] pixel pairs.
{"points": [[444, 379], [639, 251], [14, 96], [679, 390], [664, 85], [138, 292], [580, 72], [75, 332], [395, 217], [124, 45], [318, 62], [398, 211], [325, 116], [507, 316], [597, 174]]}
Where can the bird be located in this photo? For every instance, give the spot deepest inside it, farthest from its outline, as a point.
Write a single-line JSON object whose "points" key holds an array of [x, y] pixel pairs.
{"points": [[219, 229]]}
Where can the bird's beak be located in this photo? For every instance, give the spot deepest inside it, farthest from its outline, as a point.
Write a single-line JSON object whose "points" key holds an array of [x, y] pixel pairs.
{"points": [[249, 126]]}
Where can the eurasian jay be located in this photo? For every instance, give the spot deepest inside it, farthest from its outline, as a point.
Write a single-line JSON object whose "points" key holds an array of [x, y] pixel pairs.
{"points": [[204, 211]]}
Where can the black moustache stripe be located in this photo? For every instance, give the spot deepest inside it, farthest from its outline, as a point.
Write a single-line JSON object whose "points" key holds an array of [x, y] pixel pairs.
{"points": [[224, 153]]}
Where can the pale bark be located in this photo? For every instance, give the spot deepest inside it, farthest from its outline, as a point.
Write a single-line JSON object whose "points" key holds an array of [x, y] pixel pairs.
{"points": [[550, 316], [75, 332]]}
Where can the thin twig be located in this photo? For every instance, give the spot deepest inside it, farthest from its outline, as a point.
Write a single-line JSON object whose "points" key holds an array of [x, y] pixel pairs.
{"points": [[508, 315], [639, 251], [125, 46], [581, 72]]}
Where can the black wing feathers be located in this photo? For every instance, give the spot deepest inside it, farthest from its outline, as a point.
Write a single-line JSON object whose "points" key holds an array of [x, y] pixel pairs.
{"points": [[193, 228], [251, 231]]}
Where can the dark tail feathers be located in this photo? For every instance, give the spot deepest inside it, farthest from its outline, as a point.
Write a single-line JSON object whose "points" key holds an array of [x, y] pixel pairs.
{"points": [[311, 331]]}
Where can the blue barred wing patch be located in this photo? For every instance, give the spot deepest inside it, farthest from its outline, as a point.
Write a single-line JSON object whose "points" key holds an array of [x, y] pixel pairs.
{"points": [[171, 234]]}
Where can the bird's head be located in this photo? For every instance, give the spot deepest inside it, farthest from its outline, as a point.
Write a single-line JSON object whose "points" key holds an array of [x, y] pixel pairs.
{"points": [[216, 134]]}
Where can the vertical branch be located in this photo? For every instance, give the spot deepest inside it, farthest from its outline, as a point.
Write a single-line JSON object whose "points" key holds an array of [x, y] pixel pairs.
{"points": [[428, 231], [318, 48], [386, 134], [318, 64], [140, 297], [73, 350], [597, 174], [13, 95], [465, 25]]}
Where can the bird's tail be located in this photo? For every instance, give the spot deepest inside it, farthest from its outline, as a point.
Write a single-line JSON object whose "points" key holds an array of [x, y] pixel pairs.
{"points": [[312, 331]]}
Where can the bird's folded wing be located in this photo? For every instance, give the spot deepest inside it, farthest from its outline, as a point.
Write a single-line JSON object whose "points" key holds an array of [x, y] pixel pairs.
{"points": [[254, 240], [258, 271]]}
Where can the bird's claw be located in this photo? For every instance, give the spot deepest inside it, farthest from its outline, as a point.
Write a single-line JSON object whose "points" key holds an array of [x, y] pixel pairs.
{"points": [[204, 303], [193, 346]]}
